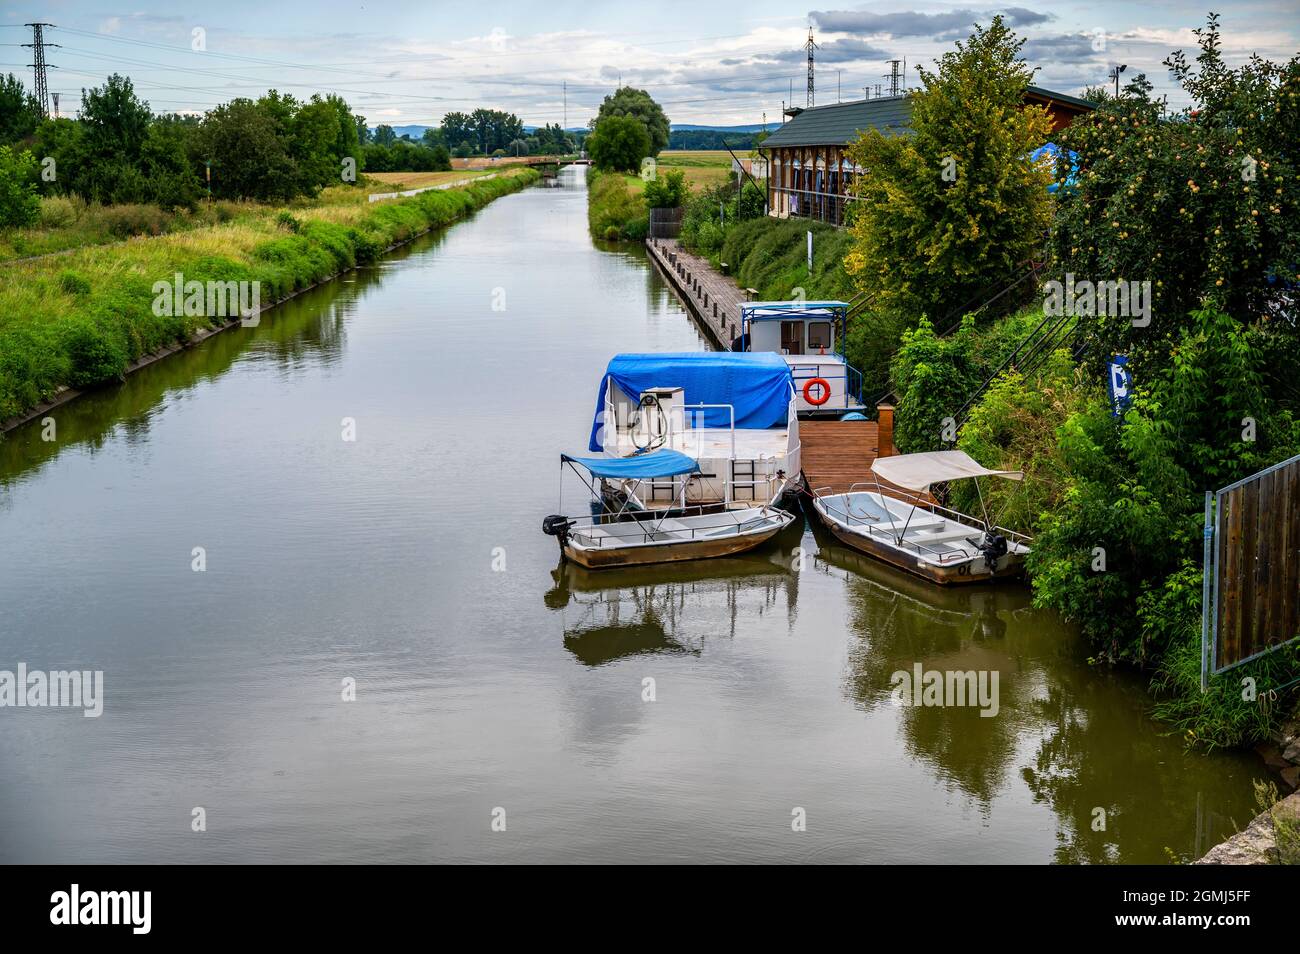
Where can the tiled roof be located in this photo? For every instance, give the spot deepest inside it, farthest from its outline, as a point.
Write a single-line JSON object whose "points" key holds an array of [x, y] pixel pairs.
{"points": [[840, 123]]}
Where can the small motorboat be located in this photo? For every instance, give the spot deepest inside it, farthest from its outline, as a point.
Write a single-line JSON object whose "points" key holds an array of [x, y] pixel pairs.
{"points": [[632, 537], [920, 536]]}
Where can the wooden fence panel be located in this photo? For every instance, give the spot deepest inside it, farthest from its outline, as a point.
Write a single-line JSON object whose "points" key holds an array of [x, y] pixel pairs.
{"points": [[1257, 564]]}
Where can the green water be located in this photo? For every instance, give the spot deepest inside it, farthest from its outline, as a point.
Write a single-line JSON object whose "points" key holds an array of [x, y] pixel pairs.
{"points": [[480, 687]]}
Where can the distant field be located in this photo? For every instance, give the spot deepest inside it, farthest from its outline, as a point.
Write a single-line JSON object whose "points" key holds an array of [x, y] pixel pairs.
{"points": [[703, 167], [398, 181]]}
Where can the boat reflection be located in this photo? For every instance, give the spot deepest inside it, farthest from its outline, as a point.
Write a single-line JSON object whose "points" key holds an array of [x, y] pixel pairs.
{"points": [[674, 607]]}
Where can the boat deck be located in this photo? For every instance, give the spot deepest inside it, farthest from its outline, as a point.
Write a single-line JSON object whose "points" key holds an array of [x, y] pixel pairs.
{"points": [[838, 454]]}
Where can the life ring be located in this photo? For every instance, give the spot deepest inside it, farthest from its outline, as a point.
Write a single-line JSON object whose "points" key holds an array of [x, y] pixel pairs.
{"points": [[825, 391]]}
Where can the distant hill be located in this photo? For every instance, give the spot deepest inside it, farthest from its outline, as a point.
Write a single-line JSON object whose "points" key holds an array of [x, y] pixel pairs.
{"points": [[752, 128]]}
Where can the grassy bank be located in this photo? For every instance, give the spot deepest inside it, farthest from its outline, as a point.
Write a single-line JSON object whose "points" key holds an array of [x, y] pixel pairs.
{"points": [[80, 319], [615, 208]]}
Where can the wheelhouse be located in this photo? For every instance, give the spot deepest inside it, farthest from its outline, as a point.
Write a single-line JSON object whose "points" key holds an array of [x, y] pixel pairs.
{"points": [[809, 336]]}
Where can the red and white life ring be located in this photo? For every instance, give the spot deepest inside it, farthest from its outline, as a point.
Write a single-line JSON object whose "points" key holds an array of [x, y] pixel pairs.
{"points": [[825, 391]]}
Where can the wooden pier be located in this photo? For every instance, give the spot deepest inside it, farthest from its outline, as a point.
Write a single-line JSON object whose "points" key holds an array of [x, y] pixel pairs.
{"points": [[713, 299], [839, 454]]}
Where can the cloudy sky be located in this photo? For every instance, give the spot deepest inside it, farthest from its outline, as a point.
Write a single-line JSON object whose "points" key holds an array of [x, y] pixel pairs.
{"points": [[707, 62]]}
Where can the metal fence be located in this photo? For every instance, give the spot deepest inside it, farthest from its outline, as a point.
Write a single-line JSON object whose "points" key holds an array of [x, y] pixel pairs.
{"points": [[666, 223]]}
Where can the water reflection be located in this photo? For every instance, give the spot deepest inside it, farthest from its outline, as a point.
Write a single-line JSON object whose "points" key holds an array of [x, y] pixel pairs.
{"points": [[1076, 739], [620, 613]]}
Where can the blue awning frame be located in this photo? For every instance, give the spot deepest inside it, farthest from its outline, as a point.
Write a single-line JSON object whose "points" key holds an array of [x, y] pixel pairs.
{"points": [[660, 463]]}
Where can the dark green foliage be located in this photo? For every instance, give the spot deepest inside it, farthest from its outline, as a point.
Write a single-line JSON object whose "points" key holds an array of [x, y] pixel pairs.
{"points": [[19, 112], [639, 105], [618, 144], [19, 204], [667, 191], [614, 210]]}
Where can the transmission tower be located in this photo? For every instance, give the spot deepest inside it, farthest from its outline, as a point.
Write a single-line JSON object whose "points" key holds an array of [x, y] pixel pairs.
{"points": [[811, 46], [893, 77], [38, 46]]}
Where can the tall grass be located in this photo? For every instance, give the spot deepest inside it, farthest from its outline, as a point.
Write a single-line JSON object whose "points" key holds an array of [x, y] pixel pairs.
{"points": [[80, 319]]}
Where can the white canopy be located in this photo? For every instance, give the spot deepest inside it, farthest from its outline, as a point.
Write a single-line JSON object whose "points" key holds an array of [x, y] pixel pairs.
{"points": [[919, 471]]}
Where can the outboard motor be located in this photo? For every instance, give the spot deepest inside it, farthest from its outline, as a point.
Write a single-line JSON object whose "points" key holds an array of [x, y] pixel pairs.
{"points": [[993, 546], [558, 526]]}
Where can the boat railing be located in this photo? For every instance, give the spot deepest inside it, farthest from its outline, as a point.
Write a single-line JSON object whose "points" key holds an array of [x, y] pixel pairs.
{"points": [[850, 375], [645, 530], [897, 539], [699, 431]]}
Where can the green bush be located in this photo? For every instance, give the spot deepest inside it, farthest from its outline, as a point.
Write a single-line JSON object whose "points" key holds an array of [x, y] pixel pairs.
{"points": [[19, 203], [74, 284], [614, 211], [96, 353]]}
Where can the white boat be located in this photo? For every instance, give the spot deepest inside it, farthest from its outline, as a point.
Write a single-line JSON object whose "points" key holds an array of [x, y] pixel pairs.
{"points": [[920, 536], [734, 414], [624, 537]]}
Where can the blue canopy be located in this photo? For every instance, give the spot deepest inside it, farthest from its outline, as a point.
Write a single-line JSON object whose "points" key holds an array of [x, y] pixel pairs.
{"points": [[757, 385], [663, 463]]}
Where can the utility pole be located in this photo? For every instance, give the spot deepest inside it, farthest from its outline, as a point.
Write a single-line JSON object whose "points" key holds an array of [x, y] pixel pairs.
{"points": [[38, 46], [838, 74], [811, 46], [566, 103], [55, 97]]}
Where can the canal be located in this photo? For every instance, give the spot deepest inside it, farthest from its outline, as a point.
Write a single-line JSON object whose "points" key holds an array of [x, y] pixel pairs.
{"points": [[205, 535]]}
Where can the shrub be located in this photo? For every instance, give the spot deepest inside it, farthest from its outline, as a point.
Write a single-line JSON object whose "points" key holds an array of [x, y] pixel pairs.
{"points": [[74, 284], [60, 211], [96, 354], [19, 203], [132, 219]]}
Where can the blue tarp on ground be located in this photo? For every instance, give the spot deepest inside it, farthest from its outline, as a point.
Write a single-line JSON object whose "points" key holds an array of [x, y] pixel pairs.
{"points": [[758, 385], [663, 463]]}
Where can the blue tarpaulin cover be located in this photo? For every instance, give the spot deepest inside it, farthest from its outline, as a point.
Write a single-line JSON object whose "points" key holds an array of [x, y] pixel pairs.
{"points": [[663, 463], [758, 385]]}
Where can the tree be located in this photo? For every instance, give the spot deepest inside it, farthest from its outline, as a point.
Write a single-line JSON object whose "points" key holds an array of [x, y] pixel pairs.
{"points": [[637, 104], [667, 191], [1204, 205], [249, 153], [618, 143], [384, 135], [19, 204], [19, 113], [953, 210]]}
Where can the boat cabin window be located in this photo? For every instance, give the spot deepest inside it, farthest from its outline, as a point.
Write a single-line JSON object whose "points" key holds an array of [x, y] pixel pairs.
{"points": [[792, 337], [820, 336]]}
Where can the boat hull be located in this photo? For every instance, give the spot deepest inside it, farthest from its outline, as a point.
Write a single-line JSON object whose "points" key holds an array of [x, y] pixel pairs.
{"points": [[1009, 566], [610, 557]]}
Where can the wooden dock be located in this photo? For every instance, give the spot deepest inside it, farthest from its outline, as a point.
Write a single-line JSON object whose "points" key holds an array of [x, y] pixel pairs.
{"points": [[838, 454], [713, 299]]}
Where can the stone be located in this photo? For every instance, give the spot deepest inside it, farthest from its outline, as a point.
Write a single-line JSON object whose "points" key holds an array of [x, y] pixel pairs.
{"points": [[1292, 752], [1291, 776], [1256, 845]]}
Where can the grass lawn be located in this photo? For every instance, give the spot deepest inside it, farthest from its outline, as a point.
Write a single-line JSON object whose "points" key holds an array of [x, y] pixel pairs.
{"points": [[703, 167]]}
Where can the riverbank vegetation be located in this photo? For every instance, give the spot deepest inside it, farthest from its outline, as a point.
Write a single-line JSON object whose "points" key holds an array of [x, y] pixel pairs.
{"points": [[80, 319], [1202, 205]]}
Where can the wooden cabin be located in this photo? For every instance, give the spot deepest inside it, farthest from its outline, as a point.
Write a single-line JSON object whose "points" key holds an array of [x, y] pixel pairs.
{"points": [[809, 173]]}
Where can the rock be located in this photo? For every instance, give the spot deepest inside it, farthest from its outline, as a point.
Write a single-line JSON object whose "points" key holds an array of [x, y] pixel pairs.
{"points": [[1256, 845], [1291, 776], [1292, 752]]}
